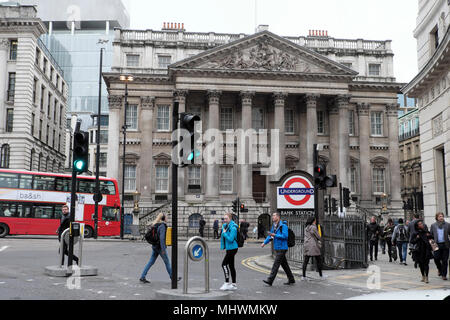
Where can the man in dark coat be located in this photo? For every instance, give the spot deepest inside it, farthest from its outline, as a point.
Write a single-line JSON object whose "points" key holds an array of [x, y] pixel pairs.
{"points": [[216, 229], [65, 224], [202, 227], [373, 235]]}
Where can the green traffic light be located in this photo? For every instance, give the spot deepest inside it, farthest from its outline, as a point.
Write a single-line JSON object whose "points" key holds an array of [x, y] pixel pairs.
{"points": [[79, 165], [191, 155]]}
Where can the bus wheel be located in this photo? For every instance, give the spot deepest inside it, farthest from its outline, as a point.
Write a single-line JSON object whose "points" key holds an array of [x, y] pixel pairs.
{"points": [[4, 230], [88, 232]]}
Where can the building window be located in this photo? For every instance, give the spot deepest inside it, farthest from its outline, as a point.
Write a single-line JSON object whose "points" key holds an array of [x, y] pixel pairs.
{"points": [[103, 159], [55, 107], [377, 123], [47, 134], [9, 119], [38, 57], [60, 114], [35, 83], [59, 143], [351, 124], [32, 159], [33, 120], [226, 179], [132, 117], [42, 97], [44, 67], [13, 50], [226, 118], [103, 136], [130, 178], [320, 122], [378, 180], [11, 86], [164, 61], [194, 176], [49, 104], [258, 118], [374, 69], [54, 137], [162, 179], [52, 72], [40, 130], [353, 180], [163, 118], [132, 60], [289, 121], [4, 156]]}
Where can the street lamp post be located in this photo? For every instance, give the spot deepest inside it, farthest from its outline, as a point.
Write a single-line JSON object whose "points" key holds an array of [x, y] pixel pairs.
{"points": [[125, 79]]}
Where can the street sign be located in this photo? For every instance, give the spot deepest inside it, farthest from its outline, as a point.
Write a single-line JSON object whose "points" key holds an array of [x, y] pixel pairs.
{"points": [[297, 193], [196, 251]]}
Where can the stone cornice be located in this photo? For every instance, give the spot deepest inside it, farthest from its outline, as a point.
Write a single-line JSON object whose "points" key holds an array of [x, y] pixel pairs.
{"points": [[392, 109], [363, 108], [393, 87], [180, 95]]}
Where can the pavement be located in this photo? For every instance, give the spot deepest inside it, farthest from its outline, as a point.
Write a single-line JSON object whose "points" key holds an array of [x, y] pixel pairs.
{"points": [[380, 274]]}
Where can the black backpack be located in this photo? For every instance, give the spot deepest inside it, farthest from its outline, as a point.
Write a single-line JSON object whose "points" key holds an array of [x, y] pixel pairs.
{"points": [[152, 235], [291, 238], [240, 238], [402, 233]]}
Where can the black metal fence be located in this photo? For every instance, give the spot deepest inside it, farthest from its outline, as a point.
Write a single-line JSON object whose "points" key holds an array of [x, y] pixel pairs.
{"points": [[344, 241]]}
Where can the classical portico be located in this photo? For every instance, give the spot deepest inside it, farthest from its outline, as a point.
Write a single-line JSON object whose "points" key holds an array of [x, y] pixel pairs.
{"points": [[265, 82]]}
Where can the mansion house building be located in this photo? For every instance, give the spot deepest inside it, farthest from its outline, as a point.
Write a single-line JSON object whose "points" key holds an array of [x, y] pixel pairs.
{"points": [[339, 93]]}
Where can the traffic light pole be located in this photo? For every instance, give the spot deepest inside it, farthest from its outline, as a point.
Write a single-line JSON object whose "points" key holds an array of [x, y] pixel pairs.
{"points": [[122, 211], [316, 189], [341, 204], [175, 118]]}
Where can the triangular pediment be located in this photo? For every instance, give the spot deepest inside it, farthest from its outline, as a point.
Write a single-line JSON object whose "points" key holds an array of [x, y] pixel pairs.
{"points": [[263, 52]]}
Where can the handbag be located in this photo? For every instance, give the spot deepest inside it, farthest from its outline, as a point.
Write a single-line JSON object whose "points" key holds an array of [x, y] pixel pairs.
{"points": [[434, 245]]}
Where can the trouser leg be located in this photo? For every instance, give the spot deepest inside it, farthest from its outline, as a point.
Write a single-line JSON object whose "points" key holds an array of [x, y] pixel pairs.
{"points": [[275, 267], [305, 265], [286, 268]]}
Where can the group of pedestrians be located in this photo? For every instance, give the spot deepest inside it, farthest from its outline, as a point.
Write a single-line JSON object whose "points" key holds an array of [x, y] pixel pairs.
{"points": [[424, 244]]}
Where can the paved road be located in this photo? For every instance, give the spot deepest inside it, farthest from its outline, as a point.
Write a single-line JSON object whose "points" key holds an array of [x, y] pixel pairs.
{"points": [[22, 263]]}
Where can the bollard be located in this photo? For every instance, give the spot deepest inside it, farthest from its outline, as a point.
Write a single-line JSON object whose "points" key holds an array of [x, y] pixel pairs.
{"points": [[196, 249]]}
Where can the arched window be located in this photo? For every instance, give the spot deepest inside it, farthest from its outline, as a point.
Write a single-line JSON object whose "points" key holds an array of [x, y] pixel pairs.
{"points": [[32, 159], [4, 157], [194, 220], [40, 164]]}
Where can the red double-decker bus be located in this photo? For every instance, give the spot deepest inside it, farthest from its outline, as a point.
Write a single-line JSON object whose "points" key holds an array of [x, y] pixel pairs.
{"points": [[31, 203]]}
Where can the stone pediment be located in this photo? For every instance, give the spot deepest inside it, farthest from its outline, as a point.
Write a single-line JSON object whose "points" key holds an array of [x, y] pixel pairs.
{"points": [[263, 52]]}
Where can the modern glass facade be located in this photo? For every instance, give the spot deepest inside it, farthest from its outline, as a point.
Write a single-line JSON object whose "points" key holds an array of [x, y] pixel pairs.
{"points": [[78, 55]]}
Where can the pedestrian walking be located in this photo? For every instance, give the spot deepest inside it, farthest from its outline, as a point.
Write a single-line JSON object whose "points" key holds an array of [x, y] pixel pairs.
{"points": [[423, 247], [412, 235], [279, 235], [382, 239], [158, 249], [373, 234], [388, 231], [201, 230], [65, 224], [261, 230], [228, 242], [312, 246], [440, 232], [400, 240], [244, 228], [216, 229]]}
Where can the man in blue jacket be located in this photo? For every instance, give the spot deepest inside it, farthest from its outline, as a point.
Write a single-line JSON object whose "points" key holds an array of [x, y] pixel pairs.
{"points": [[279, 235]]}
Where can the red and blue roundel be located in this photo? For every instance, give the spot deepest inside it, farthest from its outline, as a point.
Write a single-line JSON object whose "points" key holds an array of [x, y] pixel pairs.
{"points": [[296, 193]]}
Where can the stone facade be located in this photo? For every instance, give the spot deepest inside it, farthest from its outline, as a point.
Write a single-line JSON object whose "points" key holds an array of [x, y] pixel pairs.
{"points": [[431, 88], [33, 95], [261, 81]]}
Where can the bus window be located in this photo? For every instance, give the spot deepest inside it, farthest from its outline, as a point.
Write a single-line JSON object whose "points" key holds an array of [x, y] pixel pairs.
{"points": [[9, 180], [24, 211], [44, 183], [26, 181], [58, 211], [8, 209], [43, 212], [107, 187], [110, 214], [86, 186], [63, 184]]}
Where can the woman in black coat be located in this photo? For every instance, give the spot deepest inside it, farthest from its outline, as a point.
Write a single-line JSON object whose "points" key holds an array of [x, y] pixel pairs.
{"points": [[424, 252]]}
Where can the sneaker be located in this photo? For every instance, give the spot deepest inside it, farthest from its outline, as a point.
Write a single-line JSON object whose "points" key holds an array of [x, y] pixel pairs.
{"points": [[232, 287], [225, 286], [404, 263], [267, 283], [303, 279], [143, 280], [444, 278]]}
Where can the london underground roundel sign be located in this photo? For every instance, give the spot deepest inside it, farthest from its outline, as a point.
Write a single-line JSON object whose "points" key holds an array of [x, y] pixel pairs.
{"points": [[297, 192]]}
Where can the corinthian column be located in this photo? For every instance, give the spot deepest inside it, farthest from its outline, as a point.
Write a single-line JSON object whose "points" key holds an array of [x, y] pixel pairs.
{"points": [[344, 139], [146, 160], [311, 116], [364, 153], [279, 102], [246, 183], [180, 97], [394, 160], [212, 170], [115, 105]]}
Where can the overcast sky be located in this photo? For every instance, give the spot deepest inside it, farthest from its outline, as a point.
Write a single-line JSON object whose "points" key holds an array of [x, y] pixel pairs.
{"points": [[346, 19]]}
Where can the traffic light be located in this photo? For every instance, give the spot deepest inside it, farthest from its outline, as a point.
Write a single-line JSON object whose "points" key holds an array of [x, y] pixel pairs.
{"points": [[320, 174], [325, 205], [235, 205], [81, 151], [346, 197], [331, 181], [243, 208], [334, 206], [190, 153]]}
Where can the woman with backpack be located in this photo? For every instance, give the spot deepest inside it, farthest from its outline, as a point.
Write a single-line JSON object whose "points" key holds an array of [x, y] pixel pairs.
{"points": [[228, 242], [157, 237], [312, 246], [424, 251]]}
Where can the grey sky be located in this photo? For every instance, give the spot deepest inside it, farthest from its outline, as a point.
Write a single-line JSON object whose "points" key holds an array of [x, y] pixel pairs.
{"points": [[348, 19]]}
